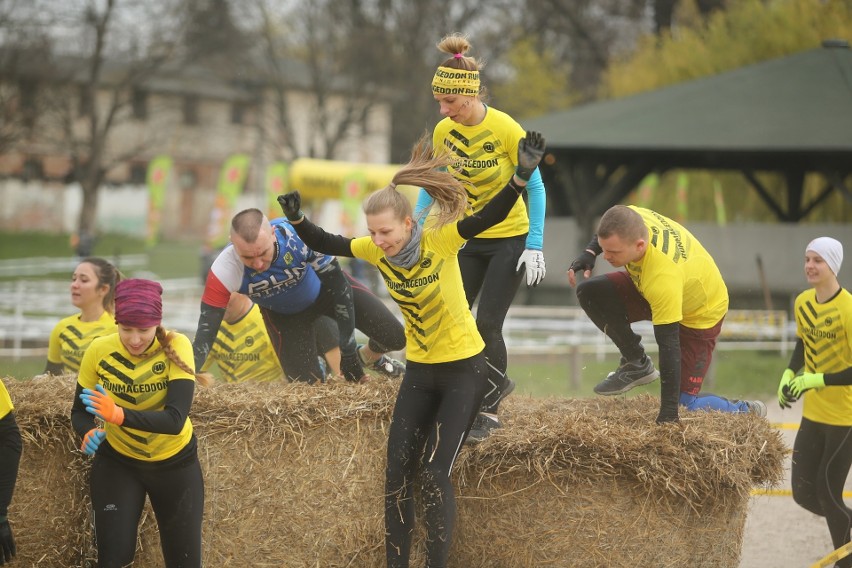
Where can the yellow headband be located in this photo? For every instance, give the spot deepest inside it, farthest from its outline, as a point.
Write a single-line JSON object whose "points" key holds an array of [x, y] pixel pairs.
{"points": [[448, 81]]}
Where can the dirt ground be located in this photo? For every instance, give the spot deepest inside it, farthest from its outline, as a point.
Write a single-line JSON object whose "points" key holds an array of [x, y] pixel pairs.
{"points": [[779, 533]]}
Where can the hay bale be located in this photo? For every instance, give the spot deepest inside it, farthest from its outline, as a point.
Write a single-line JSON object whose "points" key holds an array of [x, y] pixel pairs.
{"points": [[294, 477]]}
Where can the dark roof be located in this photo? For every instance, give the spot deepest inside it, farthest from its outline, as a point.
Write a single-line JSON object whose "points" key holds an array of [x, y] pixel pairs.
{"points": [[798, 103]]}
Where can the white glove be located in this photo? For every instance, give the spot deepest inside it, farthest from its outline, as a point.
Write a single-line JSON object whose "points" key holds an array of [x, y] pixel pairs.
{"points": [[534, 260]]}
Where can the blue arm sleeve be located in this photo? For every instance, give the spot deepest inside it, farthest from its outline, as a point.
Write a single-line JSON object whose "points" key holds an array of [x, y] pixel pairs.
{"points": [[537, 201], [423, 205]]}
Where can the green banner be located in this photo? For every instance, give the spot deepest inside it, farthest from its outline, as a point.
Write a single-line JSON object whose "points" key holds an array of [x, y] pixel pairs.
{"points": [[647, 187], [719, 202], [157, 180], [682, 197], [232, 177], [353, 189], [276, 184]]}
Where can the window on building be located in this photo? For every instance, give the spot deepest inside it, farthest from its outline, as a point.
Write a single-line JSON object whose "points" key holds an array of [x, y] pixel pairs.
{"points": [[28, 91], [33, 169], [190, 109], [238, 111], [138, 174], [85, 106], [140, 104]]}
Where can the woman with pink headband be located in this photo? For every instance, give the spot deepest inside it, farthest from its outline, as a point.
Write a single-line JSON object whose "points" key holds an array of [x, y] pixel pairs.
{"points": [[483, 142], [140, 382]]}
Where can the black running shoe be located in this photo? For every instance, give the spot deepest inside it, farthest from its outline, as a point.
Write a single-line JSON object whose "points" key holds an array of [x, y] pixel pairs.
{"points": [[483, 424]]}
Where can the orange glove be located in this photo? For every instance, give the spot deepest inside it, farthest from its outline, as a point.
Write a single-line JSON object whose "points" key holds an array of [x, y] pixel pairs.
{"points": [[101, 405], [92, 440]]}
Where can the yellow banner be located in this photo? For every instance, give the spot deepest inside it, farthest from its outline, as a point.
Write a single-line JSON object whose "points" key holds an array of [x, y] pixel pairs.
{"points": [[323, 179]]}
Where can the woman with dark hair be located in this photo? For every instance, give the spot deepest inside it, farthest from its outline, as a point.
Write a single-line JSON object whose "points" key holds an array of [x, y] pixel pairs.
{"points": [[93, 293], [446, 373]]}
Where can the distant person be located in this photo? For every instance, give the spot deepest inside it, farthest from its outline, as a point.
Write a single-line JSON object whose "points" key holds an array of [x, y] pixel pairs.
{"points": [[92, 292], [670, 279], [483, 143], [10, 457], [141, 382], [447, 374], [822, 452], [243, 352]]}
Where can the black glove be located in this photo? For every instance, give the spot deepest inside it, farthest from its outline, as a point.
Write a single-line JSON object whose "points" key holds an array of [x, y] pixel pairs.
{"points": [[291, 204], [587, 258], [584, 262], [7, 543], [530, 151]]}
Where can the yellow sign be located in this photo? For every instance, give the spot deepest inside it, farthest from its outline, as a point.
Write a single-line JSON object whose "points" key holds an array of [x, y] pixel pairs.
{"points": [[324, 179]]}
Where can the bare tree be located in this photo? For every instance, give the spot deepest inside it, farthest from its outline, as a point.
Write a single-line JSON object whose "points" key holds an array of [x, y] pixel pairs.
{"points": [[101, 53], [587, 33], [362, 52], [22, 45]]}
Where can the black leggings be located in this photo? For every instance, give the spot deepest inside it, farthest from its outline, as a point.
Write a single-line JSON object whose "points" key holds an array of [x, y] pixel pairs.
{"points": [[612, 312], [375, 320], [488, 271], [10, 457], [118, 491], [822, 456], [293, 336], [372, 318], [434, 410]]}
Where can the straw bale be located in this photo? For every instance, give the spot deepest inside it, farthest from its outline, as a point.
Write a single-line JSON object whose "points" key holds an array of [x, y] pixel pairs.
{"points": [[294, 477]]}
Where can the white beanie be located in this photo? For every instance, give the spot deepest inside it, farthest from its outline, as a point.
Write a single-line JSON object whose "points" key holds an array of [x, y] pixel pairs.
{"points": [[830, 250]]}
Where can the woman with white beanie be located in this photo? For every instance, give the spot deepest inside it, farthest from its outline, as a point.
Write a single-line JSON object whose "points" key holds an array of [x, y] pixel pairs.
{"points": [[822, 452]]}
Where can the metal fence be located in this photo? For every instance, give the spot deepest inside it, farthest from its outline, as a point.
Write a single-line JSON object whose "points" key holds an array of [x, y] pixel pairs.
{"points": [[29, 309]]}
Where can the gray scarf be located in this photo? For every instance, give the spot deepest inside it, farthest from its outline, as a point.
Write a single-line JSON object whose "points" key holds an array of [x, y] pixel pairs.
{"points": [[410, 253]]}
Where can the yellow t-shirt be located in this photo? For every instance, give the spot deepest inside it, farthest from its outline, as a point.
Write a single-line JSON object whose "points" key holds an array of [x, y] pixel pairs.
{"points": [[244, 352], [677, 276], [137, 383], [71, 337], [825, 331], [438, 324], [6, 405], [485, 157]]}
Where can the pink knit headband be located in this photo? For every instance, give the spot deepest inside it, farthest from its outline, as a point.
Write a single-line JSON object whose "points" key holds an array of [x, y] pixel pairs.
{"points": [[138, 303]]}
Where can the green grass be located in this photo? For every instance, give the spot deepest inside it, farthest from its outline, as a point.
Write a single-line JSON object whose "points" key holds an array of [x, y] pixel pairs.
{"points": [[167, 259], [736, 374]]}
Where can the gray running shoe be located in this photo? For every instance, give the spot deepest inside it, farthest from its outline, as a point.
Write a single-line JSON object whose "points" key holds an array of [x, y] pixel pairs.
{"points": [[756, 407], [389, 367], [629, 374]]}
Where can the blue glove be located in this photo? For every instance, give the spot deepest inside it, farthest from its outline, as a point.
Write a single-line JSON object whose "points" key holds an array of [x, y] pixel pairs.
{"points": [[92, 440], [785, 397], [806, 381]]}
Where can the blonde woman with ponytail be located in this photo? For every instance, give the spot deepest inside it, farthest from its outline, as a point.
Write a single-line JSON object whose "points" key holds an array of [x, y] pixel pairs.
{"points": [[446, 374], [140, 382]]}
